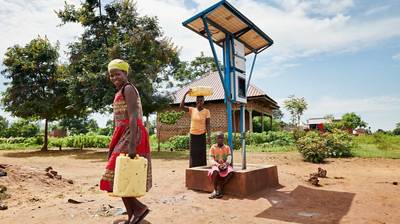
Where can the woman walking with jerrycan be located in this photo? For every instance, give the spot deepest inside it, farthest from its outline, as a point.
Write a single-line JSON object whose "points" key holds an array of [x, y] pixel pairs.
{"points": [[130, 137]]}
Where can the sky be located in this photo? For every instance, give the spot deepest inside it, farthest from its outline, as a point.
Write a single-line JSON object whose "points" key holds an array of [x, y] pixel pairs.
{"points": [[341, 56]]}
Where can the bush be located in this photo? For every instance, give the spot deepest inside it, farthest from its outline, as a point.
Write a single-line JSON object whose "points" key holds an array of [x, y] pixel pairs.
{"points": [[38, 140], [339, 144], [179, 142], [313, 147], [81, 141], [16, 140]]}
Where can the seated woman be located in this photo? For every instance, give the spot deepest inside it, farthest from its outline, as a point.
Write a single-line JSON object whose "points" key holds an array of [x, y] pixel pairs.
{"points": [[221, 170]]}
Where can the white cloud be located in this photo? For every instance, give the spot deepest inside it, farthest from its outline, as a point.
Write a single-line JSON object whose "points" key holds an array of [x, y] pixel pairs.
{"points": [[377, 10], [21, 21], [292, 24], [396, 57]]}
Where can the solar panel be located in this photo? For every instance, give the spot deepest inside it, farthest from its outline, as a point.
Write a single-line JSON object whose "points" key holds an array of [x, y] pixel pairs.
{"points": [[222, 18]]}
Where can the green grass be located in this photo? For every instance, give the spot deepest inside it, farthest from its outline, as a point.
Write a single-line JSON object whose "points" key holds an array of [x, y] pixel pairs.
{"points": [[259, 148], [168, 155], [7, 146], [372, 151]]}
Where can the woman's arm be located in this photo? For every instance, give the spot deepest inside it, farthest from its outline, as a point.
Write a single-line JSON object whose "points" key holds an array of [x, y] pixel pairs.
{"points": [[131, 98], [182, 105]]}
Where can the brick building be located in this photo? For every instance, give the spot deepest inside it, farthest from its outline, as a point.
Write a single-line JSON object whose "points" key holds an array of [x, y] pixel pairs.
{"points": [[258, 104]]}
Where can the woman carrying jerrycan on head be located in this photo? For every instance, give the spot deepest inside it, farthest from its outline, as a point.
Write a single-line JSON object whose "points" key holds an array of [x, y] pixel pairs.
{"points": [[199, 126]]}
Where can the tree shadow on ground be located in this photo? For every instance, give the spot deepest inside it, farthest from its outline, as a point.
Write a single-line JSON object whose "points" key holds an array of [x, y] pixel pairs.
{"points": [[305, 205], [98, 155]]}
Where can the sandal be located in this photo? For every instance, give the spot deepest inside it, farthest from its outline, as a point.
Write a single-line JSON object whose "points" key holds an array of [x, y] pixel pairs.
{"points": [[213, 195], [141, 217]]}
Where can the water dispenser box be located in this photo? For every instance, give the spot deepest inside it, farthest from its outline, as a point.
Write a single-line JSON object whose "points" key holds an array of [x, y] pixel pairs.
{"points": [[240, 63], [239, 87], [239, 48]]}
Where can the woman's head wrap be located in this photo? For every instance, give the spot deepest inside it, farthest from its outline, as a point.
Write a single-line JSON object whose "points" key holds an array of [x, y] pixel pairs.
{"points": [[118, 64]]}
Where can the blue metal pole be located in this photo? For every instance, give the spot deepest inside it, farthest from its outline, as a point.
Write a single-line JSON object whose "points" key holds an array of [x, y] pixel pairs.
{"points": [[227, 83], [251, 72], [242, 134], [209, 37]]}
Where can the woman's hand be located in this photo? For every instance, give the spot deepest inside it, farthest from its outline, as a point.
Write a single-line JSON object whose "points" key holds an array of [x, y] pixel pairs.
{"points": [[132, 155]]}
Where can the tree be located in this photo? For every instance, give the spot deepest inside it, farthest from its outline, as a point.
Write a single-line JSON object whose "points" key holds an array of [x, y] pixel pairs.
{"points": [[277, 114], [3, 126], [200, 66], [78, 125], [23, 128], [37, 89], [257, 126], [118, 33], [296, 108], [351, 121], [108, 130], [396, 131]]}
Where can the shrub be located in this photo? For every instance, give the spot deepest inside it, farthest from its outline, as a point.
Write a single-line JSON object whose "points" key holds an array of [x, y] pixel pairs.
{"points": [[313, 147], [170, 117], [16, 140], [81, 141], [339, 144], [179, 142], [38, 140]]}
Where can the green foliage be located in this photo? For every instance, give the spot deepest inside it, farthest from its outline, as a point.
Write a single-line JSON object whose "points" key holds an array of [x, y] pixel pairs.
{"points": [[179, 142], [351, 121], [298, 133], [277, 138], [31, 141], [3, 126], [257, 125], [120, 32], [78, 125], [170, 117], [296, 108], [37, 89], [81, 141], [189, 71], [22, 128], [313, 147], [396, 131], [108, 130], [339, 144]]}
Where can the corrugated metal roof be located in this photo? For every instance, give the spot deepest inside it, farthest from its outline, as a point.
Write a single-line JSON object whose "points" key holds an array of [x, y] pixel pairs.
{"points": [[215, 83]]}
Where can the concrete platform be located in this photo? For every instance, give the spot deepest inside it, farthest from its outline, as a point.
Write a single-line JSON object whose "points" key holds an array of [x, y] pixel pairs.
{"points": [[243, 182]]}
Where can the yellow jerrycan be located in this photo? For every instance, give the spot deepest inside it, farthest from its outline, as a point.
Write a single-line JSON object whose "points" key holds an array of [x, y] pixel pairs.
{"points": [[130, 176], [200, 91]]}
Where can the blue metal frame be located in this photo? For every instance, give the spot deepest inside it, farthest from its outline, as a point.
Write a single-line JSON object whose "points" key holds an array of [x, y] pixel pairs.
{"points": [[227, 83], [242, 134], [215, 56], [228, 47], [251, 72]]}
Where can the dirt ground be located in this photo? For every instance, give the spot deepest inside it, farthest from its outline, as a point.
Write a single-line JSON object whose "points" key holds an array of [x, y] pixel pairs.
{"points": [[355, 191]]}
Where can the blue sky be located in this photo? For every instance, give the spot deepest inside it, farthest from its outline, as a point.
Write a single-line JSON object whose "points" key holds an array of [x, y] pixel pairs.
{"points": [[342, 56]]}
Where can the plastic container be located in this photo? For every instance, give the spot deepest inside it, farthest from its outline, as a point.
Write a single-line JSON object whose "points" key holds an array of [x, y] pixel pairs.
{"points": [[200, 91], [130, 176]]}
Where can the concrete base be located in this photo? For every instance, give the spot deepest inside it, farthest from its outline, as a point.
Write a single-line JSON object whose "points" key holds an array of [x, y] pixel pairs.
{"points": [[243, 182]]}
